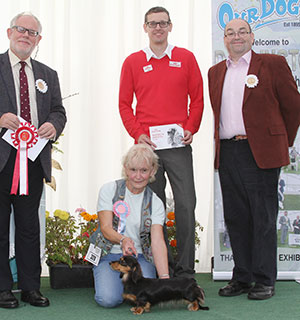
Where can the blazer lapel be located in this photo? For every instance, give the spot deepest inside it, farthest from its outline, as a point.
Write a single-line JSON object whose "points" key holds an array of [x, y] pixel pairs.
{"points": [[7, 77], [253, 69], [219, 85]]}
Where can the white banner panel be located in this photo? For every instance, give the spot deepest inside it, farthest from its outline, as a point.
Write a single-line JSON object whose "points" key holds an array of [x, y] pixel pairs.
{"points": [[276, 25]]}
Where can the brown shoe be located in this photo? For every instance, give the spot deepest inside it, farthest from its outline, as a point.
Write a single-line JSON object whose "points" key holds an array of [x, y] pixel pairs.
{"points": [[234, 288]]}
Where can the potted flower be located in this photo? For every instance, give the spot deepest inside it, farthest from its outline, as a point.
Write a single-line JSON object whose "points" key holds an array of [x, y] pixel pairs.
{"points": [[171, 228], [67, 242]]}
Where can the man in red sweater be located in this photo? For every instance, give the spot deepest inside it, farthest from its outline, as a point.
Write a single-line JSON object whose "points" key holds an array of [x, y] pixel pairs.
{"points": [[168, 87]]}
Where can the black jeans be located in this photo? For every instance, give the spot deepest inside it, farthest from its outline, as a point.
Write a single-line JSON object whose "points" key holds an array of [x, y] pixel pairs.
{"points": [[250, 200]]}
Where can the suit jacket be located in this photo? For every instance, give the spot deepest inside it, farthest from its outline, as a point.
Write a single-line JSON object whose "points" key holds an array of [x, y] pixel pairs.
{"points": [[49, 107], [271, 110]]}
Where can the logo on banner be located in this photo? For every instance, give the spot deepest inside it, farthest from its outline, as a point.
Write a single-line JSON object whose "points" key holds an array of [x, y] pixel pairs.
{"points": [[270, 11]]}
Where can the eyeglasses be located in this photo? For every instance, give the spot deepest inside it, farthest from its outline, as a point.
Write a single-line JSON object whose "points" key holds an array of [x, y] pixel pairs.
{"points": [[31, 32], [162, 24], [240, 33]]}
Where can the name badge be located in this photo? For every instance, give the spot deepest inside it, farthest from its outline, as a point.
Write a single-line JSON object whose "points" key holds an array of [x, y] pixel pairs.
{"points": [[175, 64], [93, 255], [148, 68]]}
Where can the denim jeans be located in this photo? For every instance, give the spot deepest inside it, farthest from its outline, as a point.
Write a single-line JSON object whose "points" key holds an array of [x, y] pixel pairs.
{"points": [[108, 284]]}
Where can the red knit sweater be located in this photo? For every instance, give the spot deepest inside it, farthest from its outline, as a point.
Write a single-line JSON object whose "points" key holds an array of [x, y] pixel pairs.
{"points": [[161, 92]]}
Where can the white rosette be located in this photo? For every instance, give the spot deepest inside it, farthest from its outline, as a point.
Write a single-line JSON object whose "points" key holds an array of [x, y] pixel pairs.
{"points": [[41, 85], [251, 81]]}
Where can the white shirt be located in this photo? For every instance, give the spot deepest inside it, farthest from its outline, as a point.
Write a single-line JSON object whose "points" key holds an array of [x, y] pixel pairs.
{"points": [[150, 54]]}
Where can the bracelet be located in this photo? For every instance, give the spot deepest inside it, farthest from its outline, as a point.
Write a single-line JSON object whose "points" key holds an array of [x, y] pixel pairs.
{"points": [[164, 275], [121, 241]]}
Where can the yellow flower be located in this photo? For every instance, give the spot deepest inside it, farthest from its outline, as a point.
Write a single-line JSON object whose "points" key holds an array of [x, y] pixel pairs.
{"points": [[47, 214], [57, 212], [64, 215]]}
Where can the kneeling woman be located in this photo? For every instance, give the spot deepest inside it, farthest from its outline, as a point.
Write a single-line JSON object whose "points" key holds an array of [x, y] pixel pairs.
{"points": [[131, 220]]}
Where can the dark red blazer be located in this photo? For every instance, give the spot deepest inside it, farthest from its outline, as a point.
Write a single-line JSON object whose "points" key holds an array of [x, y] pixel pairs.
{"points": [[271, 110]]}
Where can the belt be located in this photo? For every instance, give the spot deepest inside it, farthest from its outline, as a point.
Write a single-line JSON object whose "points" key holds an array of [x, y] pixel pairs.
{"points": [[239, 137]]}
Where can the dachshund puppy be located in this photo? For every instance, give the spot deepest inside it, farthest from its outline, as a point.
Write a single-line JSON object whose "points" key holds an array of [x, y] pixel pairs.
{"points": [[144, 292]]}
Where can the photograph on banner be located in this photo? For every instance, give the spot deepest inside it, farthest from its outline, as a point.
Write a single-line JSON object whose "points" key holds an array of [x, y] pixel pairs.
{"points": [[276, 27]]}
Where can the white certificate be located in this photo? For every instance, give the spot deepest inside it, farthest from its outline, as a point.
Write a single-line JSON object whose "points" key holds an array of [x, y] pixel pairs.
{"points": [[35, 150], [167, 136]]}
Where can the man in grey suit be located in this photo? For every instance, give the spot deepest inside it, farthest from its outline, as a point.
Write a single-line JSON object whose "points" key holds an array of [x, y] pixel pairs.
{"points": [[48, 115]]}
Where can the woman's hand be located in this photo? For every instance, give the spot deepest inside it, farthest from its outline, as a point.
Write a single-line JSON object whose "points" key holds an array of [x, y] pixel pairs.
{"points": [[127, 246]]}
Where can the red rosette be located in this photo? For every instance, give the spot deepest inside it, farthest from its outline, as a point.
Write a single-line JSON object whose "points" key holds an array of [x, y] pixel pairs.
{"points": [[27, 133], [23, 138]]}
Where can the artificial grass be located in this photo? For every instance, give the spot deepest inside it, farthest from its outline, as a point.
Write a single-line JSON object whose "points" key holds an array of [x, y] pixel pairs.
{"points": [[78, 304]]}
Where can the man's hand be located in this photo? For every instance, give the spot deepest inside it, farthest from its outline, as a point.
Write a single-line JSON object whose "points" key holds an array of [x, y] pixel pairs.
{"points": [[143, 138], [188, 137], [47, 131], [9, 121]]}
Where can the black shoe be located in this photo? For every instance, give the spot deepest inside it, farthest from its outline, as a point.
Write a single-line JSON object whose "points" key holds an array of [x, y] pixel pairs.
{"points": [[35, 298], [234, 288], [8, 300], [261, 292]]}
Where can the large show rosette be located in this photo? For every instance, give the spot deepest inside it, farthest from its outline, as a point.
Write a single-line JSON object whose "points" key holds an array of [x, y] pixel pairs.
{"points": [[121, 210], [23, 138]]}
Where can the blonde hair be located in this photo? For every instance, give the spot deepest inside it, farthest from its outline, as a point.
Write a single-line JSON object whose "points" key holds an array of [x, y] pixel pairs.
{"points": [[139, 153]]}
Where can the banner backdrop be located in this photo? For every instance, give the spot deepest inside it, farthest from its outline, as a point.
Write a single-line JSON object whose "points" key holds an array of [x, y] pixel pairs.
{"points": [[276, 25]]}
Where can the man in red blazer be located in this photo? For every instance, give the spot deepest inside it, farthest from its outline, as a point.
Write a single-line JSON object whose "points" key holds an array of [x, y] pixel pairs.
{"points": [[256, 106]]}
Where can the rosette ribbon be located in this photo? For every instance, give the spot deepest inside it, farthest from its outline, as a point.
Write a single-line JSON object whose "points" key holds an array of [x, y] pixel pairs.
{"points": [[121, 210], [23, 138]]}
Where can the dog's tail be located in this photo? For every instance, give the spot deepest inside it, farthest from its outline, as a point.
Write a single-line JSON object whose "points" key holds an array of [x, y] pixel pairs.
{"points": [[200, 298]]}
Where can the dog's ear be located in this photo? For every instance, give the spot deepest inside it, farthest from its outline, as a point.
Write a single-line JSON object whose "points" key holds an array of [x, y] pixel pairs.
{"points": [[201, 295], [136, 273]]}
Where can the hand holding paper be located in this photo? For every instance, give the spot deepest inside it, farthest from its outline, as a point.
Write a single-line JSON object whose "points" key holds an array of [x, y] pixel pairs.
{"points": [[9, 121], [167, 136], [35, 150], [47, 131]]}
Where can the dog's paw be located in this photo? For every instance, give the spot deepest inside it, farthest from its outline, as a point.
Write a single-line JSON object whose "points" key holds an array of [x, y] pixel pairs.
{"points": [[194, 306], [133, 309], [138, 310], [147, 307]]}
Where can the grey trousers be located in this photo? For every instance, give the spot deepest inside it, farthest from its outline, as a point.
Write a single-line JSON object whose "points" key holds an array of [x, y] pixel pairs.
{"points": [[177, 163]]}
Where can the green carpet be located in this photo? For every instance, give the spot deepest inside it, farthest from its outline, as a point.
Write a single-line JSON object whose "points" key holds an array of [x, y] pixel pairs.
{"points": [[78, 304]]}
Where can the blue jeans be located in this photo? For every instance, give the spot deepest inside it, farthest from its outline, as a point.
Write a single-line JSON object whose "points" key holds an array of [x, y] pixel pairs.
{"points": [[108, 284]]}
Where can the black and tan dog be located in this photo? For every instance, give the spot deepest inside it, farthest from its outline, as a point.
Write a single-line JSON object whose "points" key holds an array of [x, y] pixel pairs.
{"points": [[144, 292]]}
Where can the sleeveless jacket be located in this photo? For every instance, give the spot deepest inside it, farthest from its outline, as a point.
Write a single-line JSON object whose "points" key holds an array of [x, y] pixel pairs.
{"points": [[98, 239]]}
